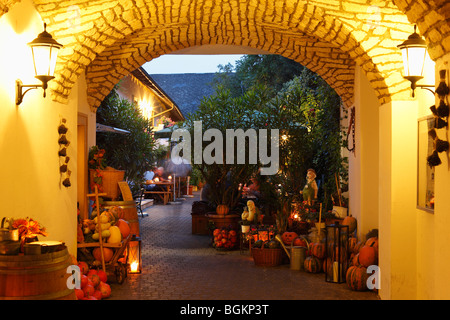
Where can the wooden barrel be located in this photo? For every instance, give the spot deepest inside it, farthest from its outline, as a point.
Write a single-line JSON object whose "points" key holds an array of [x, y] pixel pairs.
{"points": [[229, 220], [35, 277], [110, 179]]}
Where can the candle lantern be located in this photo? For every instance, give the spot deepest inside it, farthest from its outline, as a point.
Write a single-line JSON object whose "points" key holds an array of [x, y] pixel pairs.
{"points": [[134, 255], [336, 261]]}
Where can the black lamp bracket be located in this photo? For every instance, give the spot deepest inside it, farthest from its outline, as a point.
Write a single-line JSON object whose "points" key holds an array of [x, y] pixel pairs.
{"points": [[442, 89], [20, 93], [426, 87]]}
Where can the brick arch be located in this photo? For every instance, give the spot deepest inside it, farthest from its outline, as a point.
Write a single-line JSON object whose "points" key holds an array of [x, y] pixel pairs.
{"points": [[5, 5], [358, 33], [433, 21], [335, 66]]}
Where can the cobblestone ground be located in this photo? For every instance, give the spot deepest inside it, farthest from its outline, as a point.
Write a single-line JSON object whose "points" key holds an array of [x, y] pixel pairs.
{"points": [[180, 266]]}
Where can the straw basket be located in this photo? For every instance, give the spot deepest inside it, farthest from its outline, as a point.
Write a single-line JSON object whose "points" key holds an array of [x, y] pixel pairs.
{"points": [[110, 178], [266, 257]]}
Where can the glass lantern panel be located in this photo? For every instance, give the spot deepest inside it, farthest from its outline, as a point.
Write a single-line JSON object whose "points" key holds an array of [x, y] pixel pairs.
{"points": [[413, 61], [44, 59]]}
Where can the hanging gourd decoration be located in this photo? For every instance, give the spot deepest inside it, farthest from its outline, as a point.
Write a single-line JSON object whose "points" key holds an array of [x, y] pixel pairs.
{"points": [[443, 110], [433, 160], [66, 182], [442, 90], [441, 145], [440, 123], [62, 153], [62, 129]]}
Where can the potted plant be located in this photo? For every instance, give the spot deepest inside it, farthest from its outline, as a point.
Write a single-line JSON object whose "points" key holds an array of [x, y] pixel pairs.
{"points": [[29, 229], [245, 226], [221, 112], [130, 152]]}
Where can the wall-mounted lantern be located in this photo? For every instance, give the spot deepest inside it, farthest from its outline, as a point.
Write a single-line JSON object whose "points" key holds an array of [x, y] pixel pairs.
{"points": [[45, 52], [414, 52]]}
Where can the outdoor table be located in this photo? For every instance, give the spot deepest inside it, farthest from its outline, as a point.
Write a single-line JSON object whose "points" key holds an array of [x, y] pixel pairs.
{"points": [[163, 194]]}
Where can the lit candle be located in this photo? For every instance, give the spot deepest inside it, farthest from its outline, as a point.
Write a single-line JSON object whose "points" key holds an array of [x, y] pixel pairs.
{"points": [[134, 266], [170, 177], [156, 179]]}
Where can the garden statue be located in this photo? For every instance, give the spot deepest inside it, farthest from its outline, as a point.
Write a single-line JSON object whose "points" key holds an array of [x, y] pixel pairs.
{"points": [[310, 190], [251, 213]]}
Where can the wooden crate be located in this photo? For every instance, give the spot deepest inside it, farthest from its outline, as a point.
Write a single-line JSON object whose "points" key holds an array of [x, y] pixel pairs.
{"points": [[200, 224]]}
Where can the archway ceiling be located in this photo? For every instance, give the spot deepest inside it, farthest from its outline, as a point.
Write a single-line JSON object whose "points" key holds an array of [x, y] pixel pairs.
{"points": [[109, 39]]}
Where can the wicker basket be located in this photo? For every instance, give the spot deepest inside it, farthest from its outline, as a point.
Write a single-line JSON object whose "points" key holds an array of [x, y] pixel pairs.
{"points": [[266, 257], [110, 178]]}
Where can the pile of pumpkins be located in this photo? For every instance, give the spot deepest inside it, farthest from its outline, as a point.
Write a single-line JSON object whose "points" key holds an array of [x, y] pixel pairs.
{"points": [[268, 244], [361, 255], [93, 283], [113, 230], [225, 239]]}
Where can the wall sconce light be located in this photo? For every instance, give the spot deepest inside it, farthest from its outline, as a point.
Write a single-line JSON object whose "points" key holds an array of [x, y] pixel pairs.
{"points": [[414, 51], [45, 52]]}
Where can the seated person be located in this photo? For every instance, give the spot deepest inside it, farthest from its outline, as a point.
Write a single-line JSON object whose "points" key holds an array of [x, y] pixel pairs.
{"points": [[253, 189], [205, 195], [158, 175], [148, 177]]}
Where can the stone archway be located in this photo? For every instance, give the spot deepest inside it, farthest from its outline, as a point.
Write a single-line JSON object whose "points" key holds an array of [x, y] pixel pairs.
{"points": [[108, 39]]}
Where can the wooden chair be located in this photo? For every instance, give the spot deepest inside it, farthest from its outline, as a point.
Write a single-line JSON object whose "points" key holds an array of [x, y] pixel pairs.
{"points": [[138, 199], [128, 196]]}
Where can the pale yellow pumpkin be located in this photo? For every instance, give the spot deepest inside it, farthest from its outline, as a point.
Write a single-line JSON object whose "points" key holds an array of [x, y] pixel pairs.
{"points": [[116, 235]]}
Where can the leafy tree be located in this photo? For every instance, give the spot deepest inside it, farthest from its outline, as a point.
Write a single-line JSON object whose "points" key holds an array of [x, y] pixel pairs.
{"points": [[307, 112], [310, 110], [222, 111], [271, 71], [132, 151]]}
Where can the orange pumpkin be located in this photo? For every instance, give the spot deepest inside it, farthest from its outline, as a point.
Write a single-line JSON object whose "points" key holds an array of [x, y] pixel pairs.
{"points": [[300, 242], [358, 246], [287, 237], [373, 242], [350, 221], [313, 264], [318, 249], [124, 228], [355, 260], [352, 241], [367, 256], [356, 278], [107, 254], [222, 209]]}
